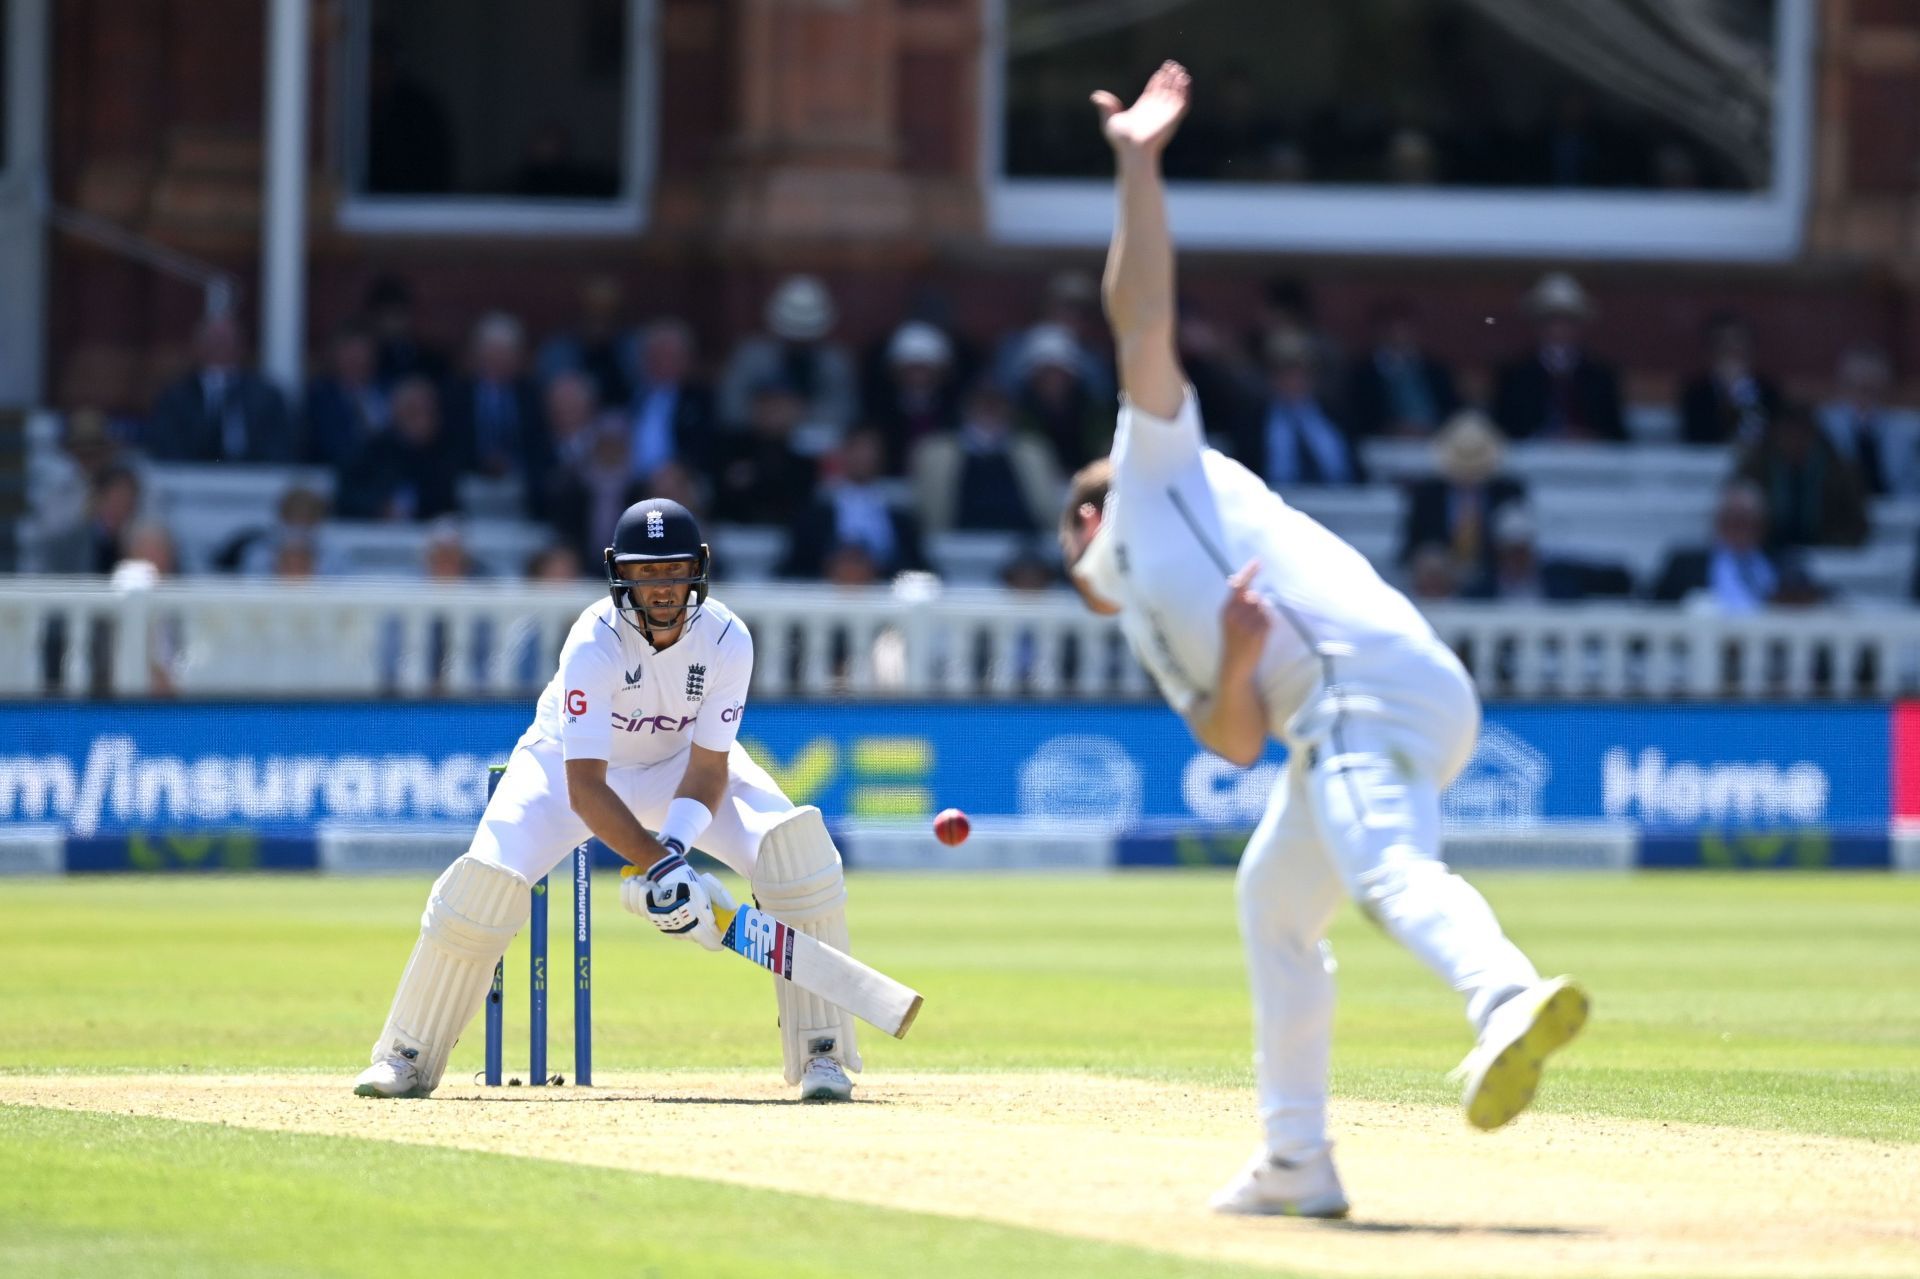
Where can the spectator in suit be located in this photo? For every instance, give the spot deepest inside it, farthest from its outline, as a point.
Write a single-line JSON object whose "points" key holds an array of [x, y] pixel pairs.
{"points": [[988, 474], [408, 472], [1521, 574], [765, 479], [1457, 508], [572, 413], [345, 405], [493, 417], [1295, 440], [672, 413], [599, 344], [852, 510], [1398, 389], [221, 411], [589, 494], [797, 349], [1863, 429], [1728, 403], [401, 351], [1054, 403], [1558, 391], [918, 395], [1814, 497], [1735, 574]]}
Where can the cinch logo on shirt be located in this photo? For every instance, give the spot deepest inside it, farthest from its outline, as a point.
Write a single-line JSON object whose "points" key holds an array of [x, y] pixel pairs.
{"points": [[653, 723]]}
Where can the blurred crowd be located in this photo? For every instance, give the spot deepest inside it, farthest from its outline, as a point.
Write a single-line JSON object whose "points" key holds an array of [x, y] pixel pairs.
{"points": [[861, 455]]}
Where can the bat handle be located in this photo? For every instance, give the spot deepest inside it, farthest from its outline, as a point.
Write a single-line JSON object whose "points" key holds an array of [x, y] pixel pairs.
{"points": [[722, 918]]}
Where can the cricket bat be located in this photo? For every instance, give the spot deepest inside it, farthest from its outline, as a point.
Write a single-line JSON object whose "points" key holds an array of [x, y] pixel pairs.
{"points": [[818, 968]]}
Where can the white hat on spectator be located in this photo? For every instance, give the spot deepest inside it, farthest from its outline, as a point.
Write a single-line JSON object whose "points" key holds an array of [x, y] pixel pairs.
{"points": [[1513, 525], [1558, 293], [917, 342], [498, 327], [445, 530], [801, 309], [1073, 288], [1469, 448], [1289, 348], [1049, 345]]}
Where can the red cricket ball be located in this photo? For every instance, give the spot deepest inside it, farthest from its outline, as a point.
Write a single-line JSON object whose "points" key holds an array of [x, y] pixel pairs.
{"points": [[951, 827]]}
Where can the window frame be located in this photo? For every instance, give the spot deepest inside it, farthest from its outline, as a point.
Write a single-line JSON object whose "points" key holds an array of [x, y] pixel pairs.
{"points": [[1764, 226], [489, 215]]}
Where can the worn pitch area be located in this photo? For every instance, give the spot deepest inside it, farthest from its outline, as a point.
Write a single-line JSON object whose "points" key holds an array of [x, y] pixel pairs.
{"points": [[1133, 1162]]}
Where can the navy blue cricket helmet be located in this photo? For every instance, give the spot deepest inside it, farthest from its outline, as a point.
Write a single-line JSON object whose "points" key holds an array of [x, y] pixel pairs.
{"points": [[657, 529]]}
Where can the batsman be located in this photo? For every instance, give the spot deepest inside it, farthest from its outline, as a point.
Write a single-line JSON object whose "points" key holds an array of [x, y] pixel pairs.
{"points": [[634, 742]]}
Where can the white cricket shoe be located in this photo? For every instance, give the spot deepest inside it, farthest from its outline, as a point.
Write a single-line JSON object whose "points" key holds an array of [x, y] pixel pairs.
{"points": [[1269, 1187], [389, 1077], [1503, 1070], [824, 1080]]}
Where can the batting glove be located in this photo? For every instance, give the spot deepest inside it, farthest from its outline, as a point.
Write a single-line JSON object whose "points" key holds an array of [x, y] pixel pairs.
{"points": [[675, 898]]}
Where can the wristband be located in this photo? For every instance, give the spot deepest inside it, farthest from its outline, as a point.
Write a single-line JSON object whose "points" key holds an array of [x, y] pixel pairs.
{"points": [[666, 865], [687, 820]]}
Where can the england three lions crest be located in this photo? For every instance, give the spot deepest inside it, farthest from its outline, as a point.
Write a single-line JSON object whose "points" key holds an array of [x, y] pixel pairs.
{"points": [[696, 682]]}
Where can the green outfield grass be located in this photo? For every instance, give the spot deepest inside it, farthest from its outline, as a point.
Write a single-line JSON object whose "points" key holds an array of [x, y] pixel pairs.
{"points": [[1788, 1002]]}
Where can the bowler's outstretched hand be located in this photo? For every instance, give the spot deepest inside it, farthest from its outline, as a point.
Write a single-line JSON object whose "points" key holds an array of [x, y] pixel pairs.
{"points": [[1151, 121]]}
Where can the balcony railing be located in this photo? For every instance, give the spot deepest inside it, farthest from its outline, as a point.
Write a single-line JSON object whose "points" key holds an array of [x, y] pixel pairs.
{"points": [[372, 638]]}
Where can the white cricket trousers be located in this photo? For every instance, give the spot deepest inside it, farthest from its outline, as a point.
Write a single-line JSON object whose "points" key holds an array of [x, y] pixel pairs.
{"points": [[1358, 811], [530, 826]]}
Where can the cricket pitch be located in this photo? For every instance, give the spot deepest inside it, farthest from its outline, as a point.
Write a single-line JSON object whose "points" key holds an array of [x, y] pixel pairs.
{"points": [[1130, 1161]]}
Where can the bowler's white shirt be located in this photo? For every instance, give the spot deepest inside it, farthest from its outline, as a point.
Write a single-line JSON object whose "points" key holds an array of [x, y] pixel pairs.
{"points": [[616, 698], [1180, 518]]}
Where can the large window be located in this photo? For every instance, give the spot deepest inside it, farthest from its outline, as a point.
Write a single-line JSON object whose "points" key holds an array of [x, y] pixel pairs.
{"points": [[1585, 127], [497, 115]]}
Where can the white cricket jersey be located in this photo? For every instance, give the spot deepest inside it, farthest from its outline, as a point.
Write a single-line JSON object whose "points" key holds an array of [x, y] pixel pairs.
{"points": [[615, 698], [1180, 518]]}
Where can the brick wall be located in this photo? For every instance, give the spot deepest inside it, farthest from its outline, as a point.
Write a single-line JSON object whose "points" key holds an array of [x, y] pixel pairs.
{"points": [[770, 162]]}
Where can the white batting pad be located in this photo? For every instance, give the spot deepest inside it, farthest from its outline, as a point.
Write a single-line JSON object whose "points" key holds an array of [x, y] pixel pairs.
{"points": [[475, 909], [797, 879]]}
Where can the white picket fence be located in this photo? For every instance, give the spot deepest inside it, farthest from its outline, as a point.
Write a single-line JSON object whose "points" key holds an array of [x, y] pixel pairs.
{"points": [[375, 638]]}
